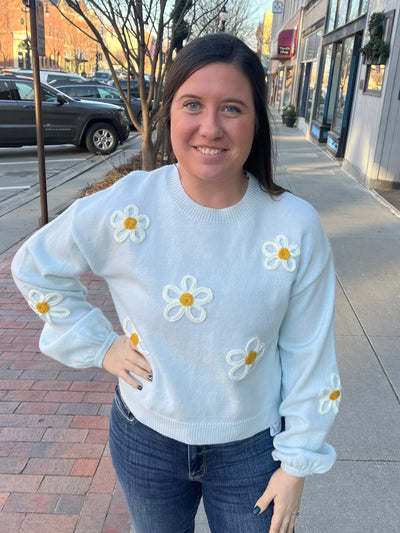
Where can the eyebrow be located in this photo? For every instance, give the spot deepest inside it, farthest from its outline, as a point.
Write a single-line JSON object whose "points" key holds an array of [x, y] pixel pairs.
{"points": [[226, 100]]}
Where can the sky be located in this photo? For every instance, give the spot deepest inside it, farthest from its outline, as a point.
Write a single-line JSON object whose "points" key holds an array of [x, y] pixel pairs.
{"points": [[262, 6]]}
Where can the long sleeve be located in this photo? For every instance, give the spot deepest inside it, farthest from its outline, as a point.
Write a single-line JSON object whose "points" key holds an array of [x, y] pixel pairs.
{"points": [[46, 270], [310, 390]]}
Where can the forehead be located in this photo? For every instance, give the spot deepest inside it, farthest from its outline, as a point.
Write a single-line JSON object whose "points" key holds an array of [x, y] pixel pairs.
{"points": [[220, 77]]}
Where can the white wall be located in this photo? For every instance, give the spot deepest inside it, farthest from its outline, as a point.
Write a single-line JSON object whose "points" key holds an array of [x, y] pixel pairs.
{"points": [[366, 121]]}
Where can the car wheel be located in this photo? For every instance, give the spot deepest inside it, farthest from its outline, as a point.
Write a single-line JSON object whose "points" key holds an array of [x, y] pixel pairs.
{"points": [[101, 138]]}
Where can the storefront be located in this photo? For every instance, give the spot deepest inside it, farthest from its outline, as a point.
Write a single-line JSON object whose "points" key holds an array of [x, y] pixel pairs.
{"points": [[283, 54], [345, 24], [308, 75]]}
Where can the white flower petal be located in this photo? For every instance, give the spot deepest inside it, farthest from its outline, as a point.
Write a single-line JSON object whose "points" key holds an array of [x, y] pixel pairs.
{"points": [[189, 284], [236, 357], [208, 295], [137, 235], [173, 317], [289, 264], [238, 373], [121, 234], [117, 219], [131, 211], [272, 262], [198, 317], [175, 290], [53, 298], [143, 221]]}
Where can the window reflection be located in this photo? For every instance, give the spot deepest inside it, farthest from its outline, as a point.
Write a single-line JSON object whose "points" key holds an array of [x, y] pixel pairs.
{"points": [[374, 80], [321, 98], [344, 77]]}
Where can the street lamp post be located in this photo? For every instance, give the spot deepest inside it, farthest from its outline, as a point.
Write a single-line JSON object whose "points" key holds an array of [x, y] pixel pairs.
{"points": [[223, 17]]}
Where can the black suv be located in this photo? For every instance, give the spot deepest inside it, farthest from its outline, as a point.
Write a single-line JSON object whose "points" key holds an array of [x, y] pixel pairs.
{"points": [[101, 93], [99, 127]]}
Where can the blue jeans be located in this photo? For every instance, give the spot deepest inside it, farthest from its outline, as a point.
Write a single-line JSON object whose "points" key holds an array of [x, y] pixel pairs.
{"points": [[164, 479]]}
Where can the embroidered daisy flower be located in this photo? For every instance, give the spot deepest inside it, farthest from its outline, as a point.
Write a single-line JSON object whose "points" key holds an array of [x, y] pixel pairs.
{"points": [[45, 305], [280, 252], [129, 224], [188, 300], [132, 333], [244, 361], [329, 397]]}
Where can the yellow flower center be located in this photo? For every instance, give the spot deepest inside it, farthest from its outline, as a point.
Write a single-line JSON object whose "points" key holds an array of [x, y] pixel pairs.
{"points": [[334, 395], [134, 339], [284, 254], [251, 357], [186, 299], [42, 307], [130, 223]]}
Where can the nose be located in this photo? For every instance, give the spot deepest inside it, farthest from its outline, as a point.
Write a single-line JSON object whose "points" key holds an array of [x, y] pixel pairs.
{"points": [[210, 124]]}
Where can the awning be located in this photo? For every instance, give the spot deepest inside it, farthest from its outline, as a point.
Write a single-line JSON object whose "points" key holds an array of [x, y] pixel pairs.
{"points": [[283, 46]]}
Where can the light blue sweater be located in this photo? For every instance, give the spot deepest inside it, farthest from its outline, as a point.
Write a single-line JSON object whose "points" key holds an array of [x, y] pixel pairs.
{"points": [[232, 307]]}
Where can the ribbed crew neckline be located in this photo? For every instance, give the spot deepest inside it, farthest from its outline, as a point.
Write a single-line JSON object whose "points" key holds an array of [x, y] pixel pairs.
{"points": [[201, 213]]}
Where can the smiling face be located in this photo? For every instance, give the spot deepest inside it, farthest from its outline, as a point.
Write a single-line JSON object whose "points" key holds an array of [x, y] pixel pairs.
{"points": [[212, 129]]}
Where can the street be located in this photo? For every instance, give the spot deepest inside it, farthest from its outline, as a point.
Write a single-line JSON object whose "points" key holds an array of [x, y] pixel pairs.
{"points": [[68, 170], [19, 176]]}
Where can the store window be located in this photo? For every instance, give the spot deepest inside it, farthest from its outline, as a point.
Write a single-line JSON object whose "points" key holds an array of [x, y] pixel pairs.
{"points": [[375, 73], [288, 86], [310, 94], [324, 81], [374, 79], [331, 18], [341, 12], [344, 77]]}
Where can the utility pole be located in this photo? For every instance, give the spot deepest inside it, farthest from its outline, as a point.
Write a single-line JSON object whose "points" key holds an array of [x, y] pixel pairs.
{"points": [[32, 4]]}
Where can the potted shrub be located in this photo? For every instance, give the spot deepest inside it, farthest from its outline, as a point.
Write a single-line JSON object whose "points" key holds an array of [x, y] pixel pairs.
{"points": [[376, 51], [290, 114]]}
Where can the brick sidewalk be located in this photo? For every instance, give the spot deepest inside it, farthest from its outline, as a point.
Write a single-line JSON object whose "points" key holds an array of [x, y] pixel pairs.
{"points": [[55, 467]]}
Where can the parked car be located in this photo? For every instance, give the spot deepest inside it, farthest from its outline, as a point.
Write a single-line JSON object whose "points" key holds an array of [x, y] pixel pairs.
{"points": [[102, 75], [52, 77], [134, 87], [98, 126], [101, 93]]}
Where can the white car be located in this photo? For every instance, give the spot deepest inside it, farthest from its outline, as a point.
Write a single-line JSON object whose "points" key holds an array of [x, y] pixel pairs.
{"points": [[53, 77]]}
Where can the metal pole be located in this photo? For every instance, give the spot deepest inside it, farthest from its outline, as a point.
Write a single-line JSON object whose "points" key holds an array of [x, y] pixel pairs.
{"points": [[38, 115]]}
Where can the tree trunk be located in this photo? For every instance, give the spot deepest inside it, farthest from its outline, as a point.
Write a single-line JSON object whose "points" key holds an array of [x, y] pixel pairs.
{"points": [[148, 152]]}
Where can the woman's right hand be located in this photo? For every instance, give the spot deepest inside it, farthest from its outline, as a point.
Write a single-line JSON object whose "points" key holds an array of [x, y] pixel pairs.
{"points": [[122, 359]]}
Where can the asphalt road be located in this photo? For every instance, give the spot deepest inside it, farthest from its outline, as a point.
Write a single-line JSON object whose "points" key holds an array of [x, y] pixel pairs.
{"points": [[68, 170], [19, 175]]}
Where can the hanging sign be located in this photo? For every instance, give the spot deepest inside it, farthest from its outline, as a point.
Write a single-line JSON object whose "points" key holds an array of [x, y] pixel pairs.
{"points": [[277, 7], [40, 28]]}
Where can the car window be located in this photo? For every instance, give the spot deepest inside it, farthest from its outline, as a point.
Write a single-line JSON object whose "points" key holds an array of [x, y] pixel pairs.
{"points": [[86, 92], [106, 92], [56, 78], [6, 92], [48, 96], [25, 90], [71, 91]]}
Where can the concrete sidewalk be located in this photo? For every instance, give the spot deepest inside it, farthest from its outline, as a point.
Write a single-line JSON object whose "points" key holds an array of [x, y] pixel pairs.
{"points": [[55, 468]]}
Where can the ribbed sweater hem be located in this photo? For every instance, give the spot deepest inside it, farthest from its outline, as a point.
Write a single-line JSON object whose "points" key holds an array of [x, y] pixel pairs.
{"points": [[206, 432]]}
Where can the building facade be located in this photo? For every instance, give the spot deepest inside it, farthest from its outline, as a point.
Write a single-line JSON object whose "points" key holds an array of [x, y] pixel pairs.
{"points": [[372, 153], [345, 101]]}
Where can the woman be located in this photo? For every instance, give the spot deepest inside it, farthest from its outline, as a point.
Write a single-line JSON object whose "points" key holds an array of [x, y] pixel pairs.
{"points": [[224, 285]]}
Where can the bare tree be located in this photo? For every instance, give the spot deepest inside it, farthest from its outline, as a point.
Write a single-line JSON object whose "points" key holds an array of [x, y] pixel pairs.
{"points": [[240, 22], [148, 32]]}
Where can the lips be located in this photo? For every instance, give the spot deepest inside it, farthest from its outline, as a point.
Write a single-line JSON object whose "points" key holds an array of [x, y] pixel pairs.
{"points": [[209, 151]]}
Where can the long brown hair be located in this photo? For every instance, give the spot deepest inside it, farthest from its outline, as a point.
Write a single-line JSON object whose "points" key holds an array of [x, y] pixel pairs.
{"points": [[225, 48]]}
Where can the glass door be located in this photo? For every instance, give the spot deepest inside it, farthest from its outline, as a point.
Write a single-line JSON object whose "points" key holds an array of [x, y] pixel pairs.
{"points": [[343, 85]]}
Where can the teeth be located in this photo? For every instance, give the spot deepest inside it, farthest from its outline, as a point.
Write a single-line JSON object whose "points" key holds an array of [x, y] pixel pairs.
{"points": [[209, 151]]}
